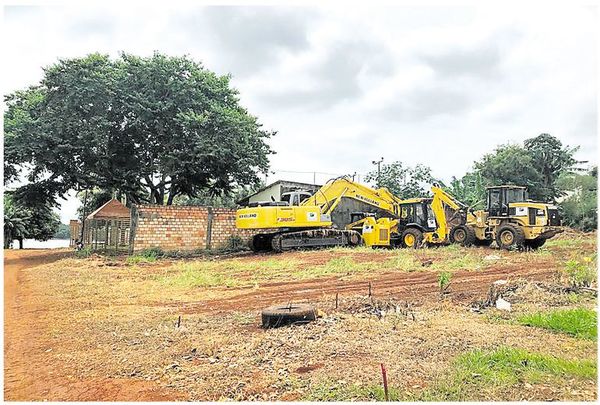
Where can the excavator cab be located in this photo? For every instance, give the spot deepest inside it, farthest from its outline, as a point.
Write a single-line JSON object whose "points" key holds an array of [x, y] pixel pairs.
{"points": [[295, 198], [499, 198]]}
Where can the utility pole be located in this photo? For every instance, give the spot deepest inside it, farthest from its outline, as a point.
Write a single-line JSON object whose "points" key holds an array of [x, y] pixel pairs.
{"points": [[378, 163]]}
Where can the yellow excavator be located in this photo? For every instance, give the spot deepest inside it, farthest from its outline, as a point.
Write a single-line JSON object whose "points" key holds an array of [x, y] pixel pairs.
{"points": [[346, 213], [318, 221]]}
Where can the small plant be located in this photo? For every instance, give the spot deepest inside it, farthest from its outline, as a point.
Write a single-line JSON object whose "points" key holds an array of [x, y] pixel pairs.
{"points": [[83, 253], [444, 279], [152, 253], [580, 273]]}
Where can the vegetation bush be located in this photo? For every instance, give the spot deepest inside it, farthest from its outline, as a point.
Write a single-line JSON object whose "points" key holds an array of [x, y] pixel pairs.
{"points": [[580, 273], [83, 253]]}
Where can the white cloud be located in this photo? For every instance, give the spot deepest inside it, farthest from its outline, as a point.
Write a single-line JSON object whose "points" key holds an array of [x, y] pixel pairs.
{"points": [[438, 86]]}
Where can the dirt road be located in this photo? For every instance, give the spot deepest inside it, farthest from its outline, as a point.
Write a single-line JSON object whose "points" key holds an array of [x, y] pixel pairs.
{"points": [[30, 370], [416, 287]]}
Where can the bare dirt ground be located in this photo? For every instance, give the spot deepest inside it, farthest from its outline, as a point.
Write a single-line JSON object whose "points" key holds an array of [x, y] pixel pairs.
{"points": [[30, 372], [100, 328]]}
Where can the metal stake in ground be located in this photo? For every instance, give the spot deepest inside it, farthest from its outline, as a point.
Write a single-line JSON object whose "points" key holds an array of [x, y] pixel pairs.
{"points": [[385, 385]]}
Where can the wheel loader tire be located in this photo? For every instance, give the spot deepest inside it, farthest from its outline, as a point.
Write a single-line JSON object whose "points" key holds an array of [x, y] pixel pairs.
{"points": [[279, 315], [463, 235], [534, 243], [411, 238], [510, 236]]}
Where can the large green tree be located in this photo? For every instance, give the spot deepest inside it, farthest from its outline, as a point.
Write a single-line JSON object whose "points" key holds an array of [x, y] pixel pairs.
{"points": [[28, 220], [403, 181], [538, 165], [151, 128], [551, 160]]}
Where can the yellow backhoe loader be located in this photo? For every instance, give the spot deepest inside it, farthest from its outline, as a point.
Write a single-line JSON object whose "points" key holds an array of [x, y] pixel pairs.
{"points": [[510, 219]]}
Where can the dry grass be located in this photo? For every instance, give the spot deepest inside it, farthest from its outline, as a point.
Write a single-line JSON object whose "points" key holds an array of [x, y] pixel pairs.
{"points": [[109, 319]]}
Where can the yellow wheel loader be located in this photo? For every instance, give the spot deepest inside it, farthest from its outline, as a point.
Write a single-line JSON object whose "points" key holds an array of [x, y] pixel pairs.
{"points": [[510, 219]]}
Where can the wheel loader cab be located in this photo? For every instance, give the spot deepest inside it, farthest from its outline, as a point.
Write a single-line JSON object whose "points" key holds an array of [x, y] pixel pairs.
{"points": [[498, 199]]}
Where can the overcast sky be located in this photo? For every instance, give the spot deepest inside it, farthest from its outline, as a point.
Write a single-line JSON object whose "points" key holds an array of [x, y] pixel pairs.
{"points": [[430, 85]]}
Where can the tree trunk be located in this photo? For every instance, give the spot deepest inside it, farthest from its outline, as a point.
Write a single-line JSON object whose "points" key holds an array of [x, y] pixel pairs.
{"points": [[21, 243], [7, 240]]}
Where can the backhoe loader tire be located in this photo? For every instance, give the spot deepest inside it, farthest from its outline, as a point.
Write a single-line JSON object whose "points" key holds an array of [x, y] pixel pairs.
{"points": [[464, 235], [279, 315], [510, 236], [534, 243], [412, 238]]}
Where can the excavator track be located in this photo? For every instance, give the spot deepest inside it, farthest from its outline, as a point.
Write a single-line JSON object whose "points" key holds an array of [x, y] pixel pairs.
{"points": [[314, 238]]}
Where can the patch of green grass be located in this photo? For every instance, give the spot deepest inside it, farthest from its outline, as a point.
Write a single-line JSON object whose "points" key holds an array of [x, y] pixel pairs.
{"points": [[566, 242], [444, 279], [140, 259], [461, 261], [403, 260], [336, 265], [205, 275], [579, 322], [334, 392], [478, 374]]}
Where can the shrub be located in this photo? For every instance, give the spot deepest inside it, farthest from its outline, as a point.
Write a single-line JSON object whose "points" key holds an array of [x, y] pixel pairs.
{"points": [[151, 253], [83, 253], [234, 242], [580, 273]]}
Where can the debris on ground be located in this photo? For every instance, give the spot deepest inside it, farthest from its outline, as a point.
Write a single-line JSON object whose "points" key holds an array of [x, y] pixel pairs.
{"points": [[381, 307], [492, 257], [502, 304]]}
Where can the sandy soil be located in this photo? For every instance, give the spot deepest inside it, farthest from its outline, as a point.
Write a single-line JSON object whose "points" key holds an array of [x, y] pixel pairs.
{"points": [[30, 374]]}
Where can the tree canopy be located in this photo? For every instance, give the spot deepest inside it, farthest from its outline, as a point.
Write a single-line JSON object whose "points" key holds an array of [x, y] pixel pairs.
{"points": [[403, 181], [150, 128]]}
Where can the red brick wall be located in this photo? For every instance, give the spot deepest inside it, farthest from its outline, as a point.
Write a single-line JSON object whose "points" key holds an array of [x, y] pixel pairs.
{"points": [[183, 228]]}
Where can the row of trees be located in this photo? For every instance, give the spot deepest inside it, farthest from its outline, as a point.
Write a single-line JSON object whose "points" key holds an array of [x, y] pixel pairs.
{"points": [[542, 163]]}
